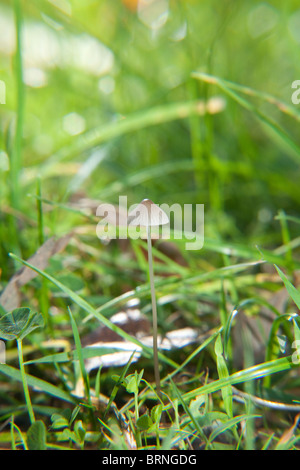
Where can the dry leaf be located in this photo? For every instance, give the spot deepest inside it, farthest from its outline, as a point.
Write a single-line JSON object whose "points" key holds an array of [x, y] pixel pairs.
{"points": [[10, 297], [132, 321], [289, 433], [136, 324]]}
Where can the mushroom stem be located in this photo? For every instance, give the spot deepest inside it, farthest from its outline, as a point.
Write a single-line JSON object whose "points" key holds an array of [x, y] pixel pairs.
{"points": [[154, 311]]}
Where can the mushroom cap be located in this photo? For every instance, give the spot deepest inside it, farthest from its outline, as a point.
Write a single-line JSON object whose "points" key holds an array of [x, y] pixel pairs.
{"points": [[147, 214]]}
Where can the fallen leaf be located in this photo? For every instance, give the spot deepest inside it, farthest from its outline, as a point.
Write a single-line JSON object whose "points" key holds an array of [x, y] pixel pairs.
{"points": [[136, 324], [289, 433], [131, 320], [10, 297]]}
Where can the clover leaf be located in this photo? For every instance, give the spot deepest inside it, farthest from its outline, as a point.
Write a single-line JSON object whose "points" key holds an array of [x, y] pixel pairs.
{"points": [[19, 323]]}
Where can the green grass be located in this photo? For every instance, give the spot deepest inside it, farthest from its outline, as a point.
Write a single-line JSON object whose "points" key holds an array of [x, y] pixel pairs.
{"points": [[149, 131]]}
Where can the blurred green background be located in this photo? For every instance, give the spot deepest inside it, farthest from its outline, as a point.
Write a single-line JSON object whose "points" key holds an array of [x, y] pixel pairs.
{"points": [[94, 96]]}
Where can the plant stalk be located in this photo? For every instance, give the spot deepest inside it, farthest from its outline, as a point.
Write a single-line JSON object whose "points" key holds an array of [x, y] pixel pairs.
{"points": [[15, 162], [24, 381]]}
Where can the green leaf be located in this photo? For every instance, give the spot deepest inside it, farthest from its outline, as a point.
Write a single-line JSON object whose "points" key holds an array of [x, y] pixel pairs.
{"points": [[79, 430], [296, 330], [36, 436], [144, 423], [156, 412], [196, 406], [132, 382], [296, 343], [223, 373], [131, 385], [293, 292], [272, 345], [19, 323], [59, 421]]}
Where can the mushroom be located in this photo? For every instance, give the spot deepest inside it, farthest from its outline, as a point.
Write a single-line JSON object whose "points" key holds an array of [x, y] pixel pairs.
{"points": [[148, 214]]}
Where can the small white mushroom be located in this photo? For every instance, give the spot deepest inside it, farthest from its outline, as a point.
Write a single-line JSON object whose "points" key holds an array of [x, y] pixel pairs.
{"points": [[148, 214]]}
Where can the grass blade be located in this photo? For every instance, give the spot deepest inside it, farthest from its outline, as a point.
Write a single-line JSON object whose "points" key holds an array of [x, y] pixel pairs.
{"points": [[283, 107], [231, 423], [251, 373], [134, 122], [223, 374], [294, 293], [39, 384], [229, 90], [24, 382], [15, 161], [80, 356]]}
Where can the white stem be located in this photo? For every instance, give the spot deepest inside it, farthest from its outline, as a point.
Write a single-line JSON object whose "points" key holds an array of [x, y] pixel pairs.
{"points": [[154, 311]]}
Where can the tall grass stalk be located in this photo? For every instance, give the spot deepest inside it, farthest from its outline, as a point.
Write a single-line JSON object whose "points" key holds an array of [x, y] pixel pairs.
{"points": [[15, 160], [16, 147], [44, 295], [24, 381]]}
